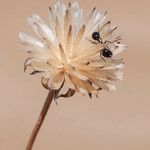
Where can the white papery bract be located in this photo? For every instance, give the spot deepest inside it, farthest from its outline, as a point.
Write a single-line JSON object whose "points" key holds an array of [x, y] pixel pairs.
{"points": [[63, 54]]}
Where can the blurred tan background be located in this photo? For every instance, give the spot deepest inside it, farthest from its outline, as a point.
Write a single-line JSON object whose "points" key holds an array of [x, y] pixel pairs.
{"points": [[117, 121]]}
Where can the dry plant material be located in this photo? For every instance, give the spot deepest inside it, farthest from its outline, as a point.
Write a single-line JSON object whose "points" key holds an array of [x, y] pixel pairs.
{"points": [[64, 53]]}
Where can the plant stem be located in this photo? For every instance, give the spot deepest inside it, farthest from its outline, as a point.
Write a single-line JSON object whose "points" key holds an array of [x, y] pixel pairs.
{"points": [[40, 120]]}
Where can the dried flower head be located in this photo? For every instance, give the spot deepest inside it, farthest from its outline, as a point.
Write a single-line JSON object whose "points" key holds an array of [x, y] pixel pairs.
{"points": [[65, 53]]}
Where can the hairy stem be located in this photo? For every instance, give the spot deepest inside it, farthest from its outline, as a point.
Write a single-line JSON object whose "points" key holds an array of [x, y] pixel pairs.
{"points": [[40, 120]]}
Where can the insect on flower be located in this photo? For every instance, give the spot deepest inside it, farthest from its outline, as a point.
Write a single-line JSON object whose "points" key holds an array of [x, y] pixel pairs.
{"points": [[105, 52], [62, 54], [96, 37]]}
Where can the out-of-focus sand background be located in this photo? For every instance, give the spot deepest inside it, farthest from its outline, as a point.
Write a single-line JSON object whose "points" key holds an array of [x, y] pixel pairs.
{"points": [[117, 121]]}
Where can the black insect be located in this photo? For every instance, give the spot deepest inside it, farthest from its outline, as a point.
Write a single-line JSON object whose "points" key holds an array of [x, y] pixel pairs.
{"points": [[96, 39], [96, 36], [106, 51]]}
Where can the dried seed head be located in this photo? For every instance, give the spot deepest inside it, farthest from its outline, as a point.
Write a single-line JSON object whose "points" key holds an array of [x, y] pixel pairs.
{"points": [[63, 55]]}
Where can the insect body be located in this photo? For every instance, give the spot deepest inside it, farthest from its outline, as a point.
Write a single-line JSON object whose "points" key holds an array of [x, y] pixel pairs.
{"points": [[107, 53], [96, 37]]}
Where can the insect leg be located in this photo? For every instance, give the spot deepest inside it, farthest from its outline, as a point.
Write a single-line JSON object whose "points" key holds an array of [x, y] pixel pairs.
{"points": [[112, 59], [92, 42]]}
